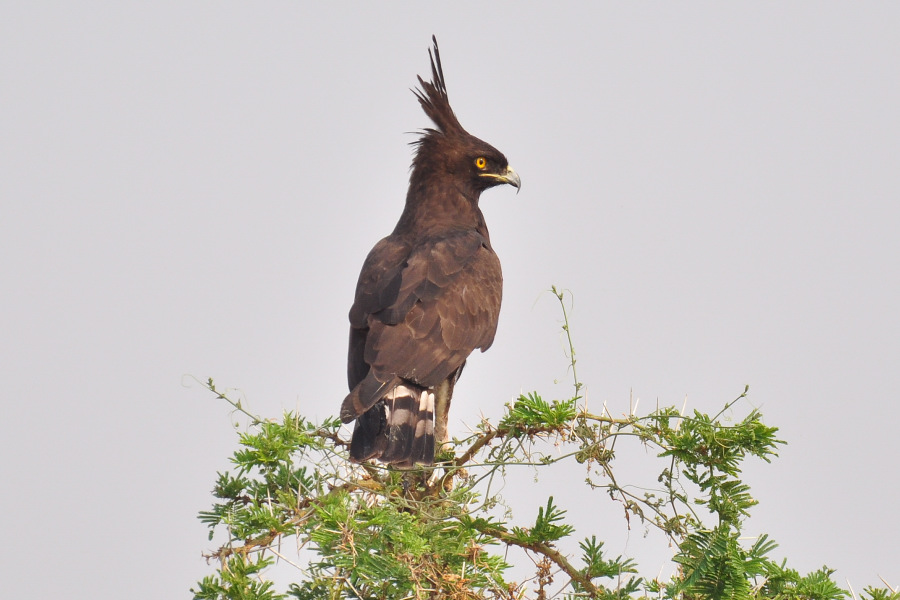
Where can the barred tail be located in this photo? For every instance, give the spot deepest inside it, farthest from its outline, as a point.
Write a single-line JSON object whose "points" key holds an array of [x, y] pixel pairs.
{"points": [[397, 430]]}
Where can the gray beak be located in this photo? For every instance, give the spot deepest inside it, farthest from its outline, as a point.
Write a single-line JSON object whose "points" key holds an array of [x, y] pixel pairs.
{"points": [[512, 178]]}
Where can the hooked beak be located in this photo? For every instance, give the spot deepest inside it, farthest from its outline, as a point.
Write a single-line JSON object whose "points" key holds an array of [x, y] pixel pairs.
{"points": [[509, 176]]}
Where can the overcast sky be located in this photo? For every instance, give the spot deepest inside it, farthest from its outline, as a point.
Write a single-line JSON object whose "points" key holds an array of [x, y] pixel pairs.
{"points": [[190, 188]]}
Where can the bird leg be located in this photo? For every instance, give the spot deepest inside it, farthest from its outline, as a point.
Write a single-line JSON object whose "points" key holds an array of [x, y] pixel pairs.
{"points": [[442, 393]]}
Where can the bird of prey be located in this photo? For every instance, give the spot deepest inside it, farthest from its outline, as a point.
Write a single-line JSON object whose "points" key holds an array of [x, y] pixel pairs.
{"points": [[428, 294]]}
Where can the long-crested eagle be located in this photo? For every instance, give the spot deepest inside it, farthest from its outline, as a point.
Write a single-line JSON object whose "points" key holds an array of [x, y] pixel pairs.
{"points": [[428, 294]]}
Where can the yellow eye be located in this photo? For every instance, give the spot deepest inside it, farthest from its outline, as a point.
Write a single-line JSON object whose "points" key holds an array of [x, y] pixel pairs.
{"points": [[481, 162]]}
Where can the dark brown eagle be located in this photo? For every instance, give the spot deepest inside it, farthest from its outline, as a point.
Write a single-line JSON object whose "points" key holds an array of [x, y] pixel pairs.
{"points": [[428, 294]]}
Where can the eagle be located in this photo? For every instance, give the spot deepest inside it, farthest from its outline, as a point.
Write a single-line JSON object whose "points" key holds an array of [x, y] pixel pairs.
{"points": [[428, 294]]}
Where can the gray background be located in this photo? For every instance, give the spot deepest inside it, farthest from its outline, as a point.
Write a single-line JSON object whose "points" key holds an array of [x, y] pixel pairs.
{"points": [[191, 188]]}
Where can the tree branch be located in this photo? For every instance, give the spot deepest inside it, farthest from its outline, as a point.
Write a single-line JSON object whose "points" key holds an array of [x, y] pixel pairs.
{"points": [[544, 549]]}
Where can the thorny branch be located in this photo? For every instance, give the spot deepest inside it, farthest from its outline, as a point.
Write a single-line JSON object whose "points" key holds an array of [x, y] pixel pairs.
{"points": [[543, 549], [450, 498]]}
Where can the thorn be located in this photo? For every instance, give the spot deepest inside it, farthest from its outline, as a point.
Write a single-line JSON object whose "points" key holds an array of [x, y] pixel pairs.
{"points": [[681, 414]]}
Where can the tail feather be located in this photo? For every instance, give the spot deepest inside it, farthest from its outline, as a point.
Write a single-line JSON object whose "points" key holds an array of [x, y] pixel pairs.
{"points": [[398, 429], [423, 440]]}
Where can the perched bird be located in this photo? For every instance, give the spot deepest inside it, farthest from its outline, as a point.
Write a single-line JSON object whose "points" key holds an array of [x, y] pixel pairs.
{"points": [[428, 294]]}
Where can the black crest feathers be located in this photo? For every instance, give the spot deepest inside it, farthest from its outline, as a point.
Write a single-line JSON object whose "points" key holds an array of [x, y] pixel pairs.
{"points": [[433, 96]]}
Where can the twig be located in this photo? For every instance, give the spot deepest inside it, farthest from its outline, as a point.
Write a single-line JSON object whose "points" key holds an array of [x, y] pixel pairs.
{"points": [[544, 549], [560, 295]]}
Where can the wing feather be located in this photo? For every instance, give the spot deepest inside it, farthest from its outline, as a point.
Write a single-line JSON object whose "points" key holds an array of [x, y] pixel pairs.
{"points": [[380, 279], [421, 312]]}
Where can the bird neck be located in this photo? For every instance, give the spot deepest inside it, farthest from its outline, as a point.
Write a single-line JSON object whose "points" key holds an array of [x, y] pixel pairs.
{"points": [[432, 207]]}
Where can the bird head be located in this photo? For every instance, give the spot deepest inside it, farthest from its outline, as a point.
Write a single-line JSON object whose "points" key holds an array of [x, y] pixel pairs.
{"points": [[449, 149]]}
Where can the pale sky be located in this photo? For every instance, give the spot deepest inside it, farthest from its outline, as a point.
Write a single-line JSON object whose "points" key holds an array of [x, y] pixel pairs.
{"points": [[190, 188]]}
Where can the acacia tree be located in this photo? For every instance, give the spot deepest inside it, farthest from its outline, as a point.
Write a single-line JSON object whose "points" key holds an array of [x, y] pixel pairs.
{"points": [[371, 532]]}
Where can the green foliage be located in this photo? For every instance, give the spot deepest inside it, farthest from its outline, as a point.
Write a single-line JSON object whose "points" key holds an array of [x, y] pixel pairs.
{"points": [[531, 411], [545, 528], [371, 532], [237, 579]]}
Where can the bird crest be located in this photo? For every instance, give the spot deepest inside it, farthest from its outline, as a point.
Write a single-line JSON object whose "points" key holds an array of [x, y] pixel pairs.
{"points": [[433, 97]]}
